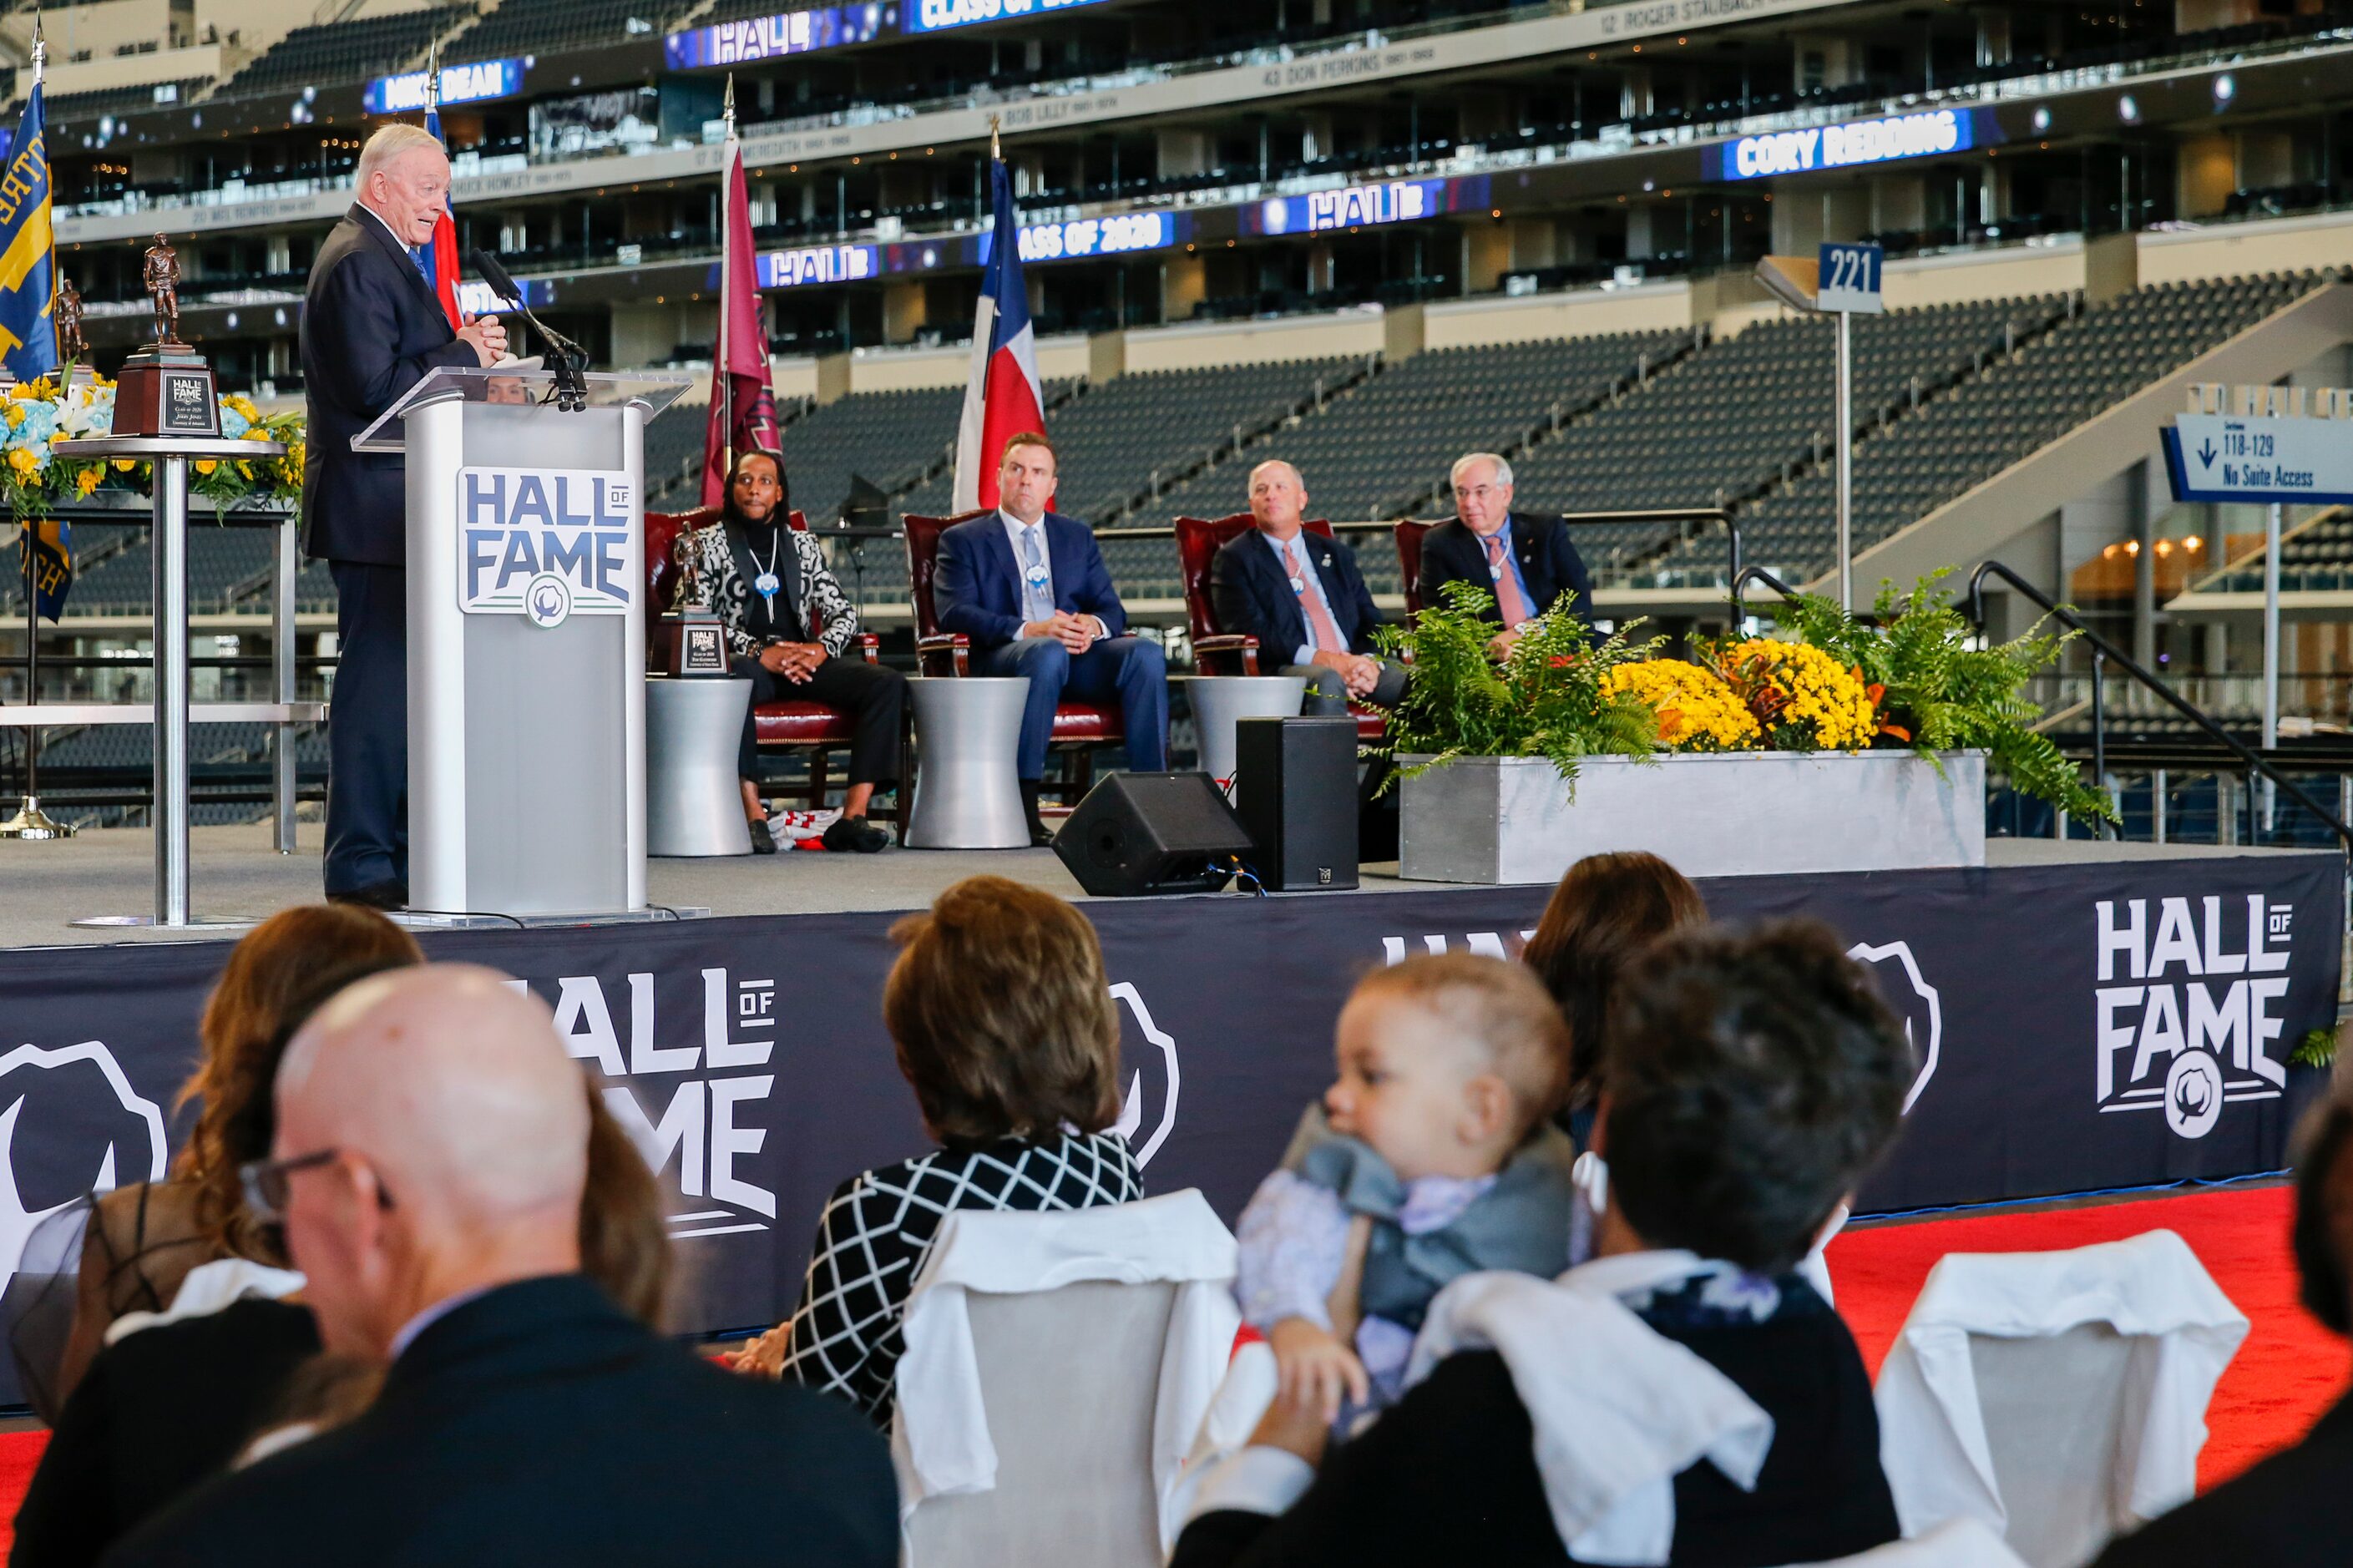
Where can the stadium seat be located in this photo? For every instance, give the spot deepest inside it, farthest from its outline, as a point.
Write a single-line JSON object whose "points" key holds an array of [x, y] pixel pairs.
{"points": [[1219, 652]]}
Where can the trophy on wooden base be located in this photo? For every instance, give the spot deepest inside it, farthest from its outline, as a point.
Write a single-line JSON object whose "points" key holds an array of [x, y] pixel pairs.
{"points": [[166, 389]]}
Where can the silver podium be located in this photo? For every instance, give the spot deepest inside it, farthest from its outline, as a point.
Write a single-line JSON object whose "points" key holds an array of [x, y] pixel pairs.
{"points": [[526, 640], [171, 455]]}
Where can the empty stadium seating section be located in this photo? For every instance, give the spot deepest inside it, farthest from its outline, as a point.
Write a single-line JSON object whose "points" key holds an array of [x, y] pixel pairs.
{"points": [[344, 51]]}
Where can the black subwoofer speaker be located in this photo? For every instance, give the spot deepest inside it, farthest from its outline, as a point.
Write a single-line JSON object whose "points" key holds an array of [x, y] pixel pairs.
{"points": [[1295, 791], [1151, 833]]}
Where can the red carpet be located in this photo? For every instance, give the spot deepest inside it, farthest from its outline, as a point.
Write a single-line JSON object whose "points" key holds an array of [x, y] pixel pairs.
{"points": [[2289, 1370], [19, 1452]]}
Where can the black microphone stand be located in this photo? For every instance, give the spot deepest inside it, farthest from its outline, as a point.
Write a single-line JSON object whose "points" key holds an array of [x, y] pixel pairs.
{"points": [[569, 359]]}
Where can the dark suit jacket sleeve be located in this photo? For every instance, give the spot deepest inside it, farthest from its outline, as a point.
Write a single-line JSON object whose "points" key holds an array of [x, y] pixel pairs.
{"points": [[1433, 575], [356, 325], [1093, 593], [1367, 614], [1235, 606], [1447, 1476], [956, 593], [68, 1515], [1568, 567]]}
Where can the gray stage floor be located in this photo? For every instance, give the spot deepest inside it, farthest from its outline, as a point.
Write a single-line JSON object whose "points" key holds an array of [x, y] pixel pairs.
{"points": [[236, 877]]}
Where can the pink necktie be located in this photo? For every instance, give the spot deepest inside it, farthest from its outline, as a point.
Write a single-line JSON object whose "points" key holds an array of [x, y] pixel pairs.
{"points": [[1319, 620], [1507, 583]]}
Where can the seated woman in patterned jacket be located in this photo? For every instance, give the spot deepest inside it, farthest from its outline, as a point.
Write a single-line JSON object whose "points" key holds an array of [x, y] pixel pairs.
{"points": [[787, 624], [1008, 1033]]}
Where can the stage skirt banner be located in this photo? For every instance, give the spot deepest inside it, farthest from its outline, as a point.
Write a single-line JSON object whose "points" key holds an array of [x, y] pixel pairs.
{"points": [[2078, 1028]]}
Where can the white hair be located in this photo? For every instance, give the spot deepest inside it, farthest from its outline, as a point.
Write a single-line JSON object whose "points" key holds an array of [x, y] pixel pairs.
{"points": [[1502, 469], [390, 143], [1277, 463]]}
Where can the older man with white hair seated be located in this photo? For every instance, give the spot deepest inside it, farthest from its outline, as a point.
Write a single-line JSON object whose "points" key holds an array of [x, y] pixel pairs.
{"points": [[1522, 558], [429, 1161], [1302, 597]]}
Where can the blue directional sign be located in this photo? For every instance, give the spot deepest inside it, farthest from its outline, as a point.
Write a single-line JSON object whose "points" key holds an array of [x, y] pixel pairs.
{"points": [[1850, 280], [2243, 458]]}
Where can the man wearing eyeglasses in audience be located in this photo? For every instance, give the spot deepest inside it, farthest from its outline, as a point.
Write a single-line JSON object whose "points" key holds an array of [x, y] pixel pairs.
{"points": [[1523, 558]]}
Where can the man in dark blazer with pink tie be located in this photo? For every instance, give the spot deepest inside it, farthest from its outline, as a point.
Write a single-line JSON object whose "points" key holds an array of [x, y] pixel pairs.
{"points": [[1522, 559], [1028, 586], [1302, 597], [372, 329]]}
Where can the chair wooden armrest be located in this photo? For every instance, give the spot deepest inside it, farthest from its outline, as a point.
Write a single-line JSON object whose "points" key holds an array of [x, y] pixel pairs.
{"points": [[1211, 652], [869, 644], [945, 653]]}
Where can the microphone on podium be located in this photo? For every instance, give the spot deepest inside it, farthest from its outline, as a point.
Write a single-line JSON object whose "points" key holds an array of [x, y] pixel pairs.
{"points": [[568, 361]]}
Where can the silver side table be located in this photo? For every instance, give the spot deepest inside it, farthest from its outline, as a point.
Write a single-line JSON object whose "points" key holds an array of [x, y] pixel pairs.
{"points": [[967, 763], [694, 806], [1221, 701]]}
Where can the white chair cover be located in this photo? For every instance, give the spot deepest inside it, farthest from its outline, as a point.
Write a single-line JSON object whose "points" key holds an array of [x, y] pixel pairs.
{"points": [[945, 1443], [2057, 1397]]}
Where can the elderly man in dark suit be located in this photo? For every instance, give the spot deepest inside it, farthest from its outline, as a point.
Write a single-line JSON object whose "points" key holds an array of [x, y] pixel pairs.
{"points": [[1523, 558], [1302, 596], [1028, 586], [429, 1161], [372, 329]]}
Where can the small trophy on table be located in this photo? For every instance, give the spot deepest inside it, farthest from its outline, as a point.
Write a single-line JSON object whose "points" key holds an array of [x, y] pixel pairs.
{"points": [[166, 389]]}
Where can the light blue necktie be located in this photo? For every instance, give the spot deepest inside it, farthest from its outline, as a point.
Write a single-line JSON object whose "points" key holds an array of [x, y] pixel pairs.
{"points": [[1037, 598]]}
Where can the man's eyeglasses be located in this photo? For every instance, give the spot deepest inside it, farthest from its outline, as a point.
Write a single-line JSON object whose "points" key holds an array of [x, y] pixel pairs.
{"points": [[266, 1186], [1477, 493]]}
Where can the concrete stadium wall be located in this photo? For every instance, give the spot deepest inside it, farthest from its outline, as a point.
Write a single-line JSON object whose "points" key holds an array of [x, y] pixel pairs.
{"points": [[1585, 312], [2240, 250], [1196, 344], [1966, 277]]}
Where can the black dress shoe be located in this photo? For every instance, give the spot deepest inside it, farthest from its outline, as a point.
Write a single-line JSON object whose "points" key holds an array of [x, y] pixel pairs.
{"points": [[857, 835], [763, 841], [1041, 835], [391, 893]]}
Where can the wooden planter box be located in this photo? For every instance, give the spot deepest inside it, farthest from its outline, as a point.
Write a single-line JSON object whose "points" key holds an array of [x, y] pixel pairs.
{"points": [[1512, 819]]}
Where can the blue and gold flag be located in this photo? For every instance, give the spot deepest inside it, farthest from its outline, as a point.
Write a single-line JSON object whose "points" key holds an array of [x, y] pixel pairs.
{"points": [[51, 542], [28, 274]]}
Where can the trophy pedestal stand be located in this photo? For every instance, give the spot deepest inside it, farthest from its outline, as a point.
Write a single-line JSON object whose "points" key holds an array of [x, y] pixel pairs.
{"points": [[165, 389]]}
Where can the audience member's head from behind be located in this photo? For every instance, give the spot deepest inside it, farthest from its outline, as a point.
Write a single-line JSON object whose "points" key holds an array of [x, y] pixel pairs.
{"points": [[1607, 908], [1002, 1015], [1446, 1063], [276, 974], [2324, 1211], [432, 1141], [1750, 1080]]}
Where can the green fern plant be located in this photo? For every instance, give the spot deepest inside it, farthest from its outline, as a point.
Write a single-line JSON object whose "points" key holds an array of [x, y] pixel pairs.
{"points": [[1946, 693], [1546, 699]]}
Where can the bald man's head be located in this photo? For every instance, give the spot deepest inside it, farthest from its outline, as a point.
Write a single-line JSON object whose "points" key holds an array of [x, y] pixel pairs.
{"points": [[459, 1139], [1278, 497]]}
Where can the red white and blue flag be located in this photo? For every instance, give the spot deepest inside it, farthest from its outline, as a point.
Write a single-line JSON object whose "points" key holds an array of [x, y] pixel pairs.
{"points": [[1002, 399], [438, 257]]}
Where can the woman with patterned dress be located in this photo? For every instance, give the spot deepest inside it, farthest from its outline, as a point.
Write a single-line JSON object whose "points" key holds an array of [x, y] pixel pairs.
{"points": [[787, 624], [1008, 1033]]}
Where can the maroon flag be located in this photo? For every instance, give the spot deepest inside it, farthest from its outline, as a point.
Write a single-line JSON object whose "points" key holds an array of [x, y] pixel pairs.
{"points": [[742, 407]]}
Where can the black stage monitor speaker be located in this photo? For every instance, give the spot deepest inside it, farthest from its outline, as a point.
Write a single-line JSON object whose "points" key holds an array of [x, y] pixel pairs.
{"points": [[1295, 791], [1151, 833]]}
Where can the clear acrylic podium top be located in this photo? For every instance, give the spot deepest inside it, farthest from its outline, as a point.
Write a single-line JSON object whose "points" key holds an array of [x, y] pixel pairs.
{"points": [[653, 389]]}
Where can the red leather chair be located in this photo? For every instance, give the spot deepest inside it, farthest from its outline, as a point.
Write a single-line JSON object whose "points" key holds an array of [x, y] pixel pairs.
{"points": [[1409, 535], [1079, 727], [1217, 652], [788, 725]]}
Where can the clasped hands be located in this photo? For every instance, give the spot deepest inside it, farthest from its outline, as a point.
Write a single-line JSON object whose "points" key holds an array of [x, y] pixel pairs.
{"points": [[795, 661], [1361, 673], [487, 335], [1075, 632]]}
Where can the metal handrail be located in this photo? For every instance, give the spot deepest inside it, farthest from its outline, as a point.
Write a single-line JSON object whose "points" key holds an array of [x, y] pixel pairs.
{"points": [[2105, 652], [1747, 574]]}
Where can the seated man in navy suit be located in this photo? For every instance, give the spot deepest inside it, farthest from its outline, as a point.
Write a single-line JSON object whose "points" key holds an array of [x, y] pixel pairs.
{"points": [[1523, 558], [1029, 588], [1302, 596]]}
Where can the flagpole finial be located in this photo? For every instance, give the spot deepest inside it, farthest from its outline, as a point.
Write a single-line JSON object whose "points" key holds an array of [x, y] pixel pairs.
{"points": [[727, 109], [995, 147], [40, 50], [433, 76]]}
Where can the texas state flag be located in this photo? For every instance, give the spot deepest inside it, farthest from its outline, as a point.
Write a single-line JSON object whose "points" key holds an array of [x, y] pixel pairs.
{"points": [[1002, 399]]}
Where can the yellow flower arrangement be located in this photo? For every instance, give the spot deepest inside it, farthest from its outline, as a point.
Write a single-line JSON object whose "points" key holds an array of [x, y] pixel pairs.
{"points": [[16, 413], [24, 462], [1796, 686], [207, 464], [124, 465], [86, 480], [1697, 711]]}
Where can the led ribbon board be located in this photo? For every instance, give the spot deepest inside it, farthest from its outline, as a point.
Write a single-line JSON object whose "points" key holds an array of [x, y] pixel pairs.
{"points": [[1362, 206], [938, 15], [811, 264], [768, 37], [1857, 144], [477, 83], [1085, 237]]}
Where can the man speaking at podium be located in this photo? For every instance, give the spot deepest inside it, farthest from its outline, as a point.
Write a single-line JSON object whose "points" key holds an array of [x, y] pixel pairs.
{"points": [[372, 329]]}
